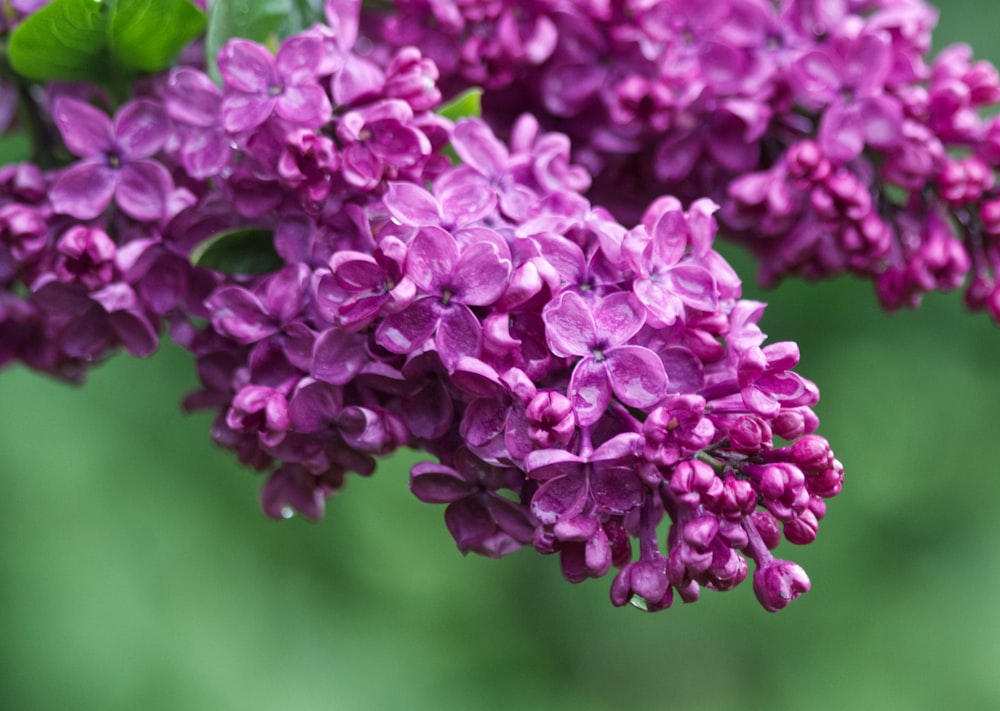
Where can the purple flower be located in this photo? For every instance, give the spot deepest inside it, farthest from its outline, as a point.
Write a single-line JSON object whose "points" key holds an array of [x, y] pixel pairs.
{"points": [[479, 518], [778, 582], [449, 282], [666, 281], [767, 383], [259, 84], [849, 77], [115, 161], [86, 255], [249, 316], [194, 102], [599, 336], [380, 140]]}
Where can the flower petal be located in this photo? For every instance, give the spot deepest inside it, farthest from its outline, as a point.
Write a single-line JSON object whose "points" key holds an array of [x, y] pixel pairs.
{"points": [[404, 331], [86, 131], [431, 259], [299, 57], [191, 98], [141, 128], [459, 334], [142, 190], [241, 112], [314, 406], [480, 275], [694, 285], [636, 375], [410, 204], [338, 357], [569, 325], [304, 104], [238, 314], [616, 490], [434, 483], [562, 497], [136, 334], [247, 67], [84, 190], [618, 317], [590, 391], [478, 147]]}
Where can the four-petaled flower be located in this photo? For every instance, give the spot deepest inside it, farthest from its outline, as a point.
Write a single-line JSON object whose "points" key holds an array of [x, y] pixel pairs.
{"points": [[115, 160], [599, 336]]}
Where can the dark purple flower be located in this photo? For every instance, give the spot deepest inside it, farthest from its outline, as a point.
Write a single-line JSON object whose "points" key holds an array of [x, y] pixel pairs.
{"points": [[258, 84], [599, 336], [479, 518], [115, 161], [451, 281], [194, 103]]}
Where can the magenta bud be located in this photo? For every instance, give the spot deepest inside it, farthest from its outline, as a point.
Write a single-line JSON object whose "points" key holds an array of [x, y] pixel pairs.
{"points": [[767, 527], [550, 418], [738, 499], [802, 530], [812, 453], [700, 532], [989, 214], [694, 482], [792, 423], [806, 161], [826, 482], [750, 434], [778, 582]]}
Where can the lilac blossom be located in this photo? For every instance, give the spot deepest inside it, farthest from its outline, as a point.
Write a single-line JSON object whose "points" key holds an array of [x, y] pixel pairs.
{"points": [[832, 139], [116, 160], [259, 84], [502, 329], [594, 389]]}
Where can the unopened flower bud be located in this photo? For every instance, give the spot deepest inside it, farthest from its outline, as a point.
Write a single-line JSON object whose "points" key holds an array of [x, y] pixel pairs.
{"points": [[778, 582]]}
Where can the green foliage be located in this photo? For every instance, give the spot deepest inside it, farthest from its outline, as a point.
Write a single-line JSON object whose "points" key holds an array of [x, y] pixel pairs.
{"points": [[468, 104], [263, 21], [244, 251], [14, 148], [102, 41], [465, 105]]}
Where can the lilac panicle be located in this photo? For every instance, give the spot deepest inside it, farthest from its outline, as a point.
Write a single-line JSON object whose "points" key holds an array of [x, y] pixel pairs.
{"points": [[832, 139], [579, 383], [594, 389]]}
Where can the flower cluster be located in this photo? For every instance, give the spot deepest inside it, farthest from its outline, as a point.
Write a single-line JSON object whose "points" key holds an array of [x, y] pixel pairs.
{"points": [[588, 389], [578, 382], [831, 141]]}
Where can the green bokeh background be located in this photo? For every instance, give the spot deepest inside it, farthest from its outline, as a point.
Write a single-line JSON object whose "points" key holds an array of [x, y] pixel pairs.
{"points": [[136, 571]]}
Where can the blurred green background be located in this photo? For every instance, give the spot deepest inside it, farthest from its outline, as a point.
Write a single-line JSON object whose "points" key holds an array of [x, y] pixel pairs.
{"points": [[136, 571]]}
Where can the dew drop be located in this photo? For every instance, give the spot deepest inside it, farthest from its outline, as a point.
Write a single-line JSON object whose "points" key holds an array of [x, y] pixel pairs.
{"points": [[287, 512]]}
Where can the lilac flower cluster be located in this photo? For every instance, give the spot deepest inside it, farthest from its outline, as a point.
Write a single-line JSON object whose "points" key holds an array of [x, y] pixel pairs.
{"points": [[830, 140], [84, 264], [579, 383], [586, 388]]}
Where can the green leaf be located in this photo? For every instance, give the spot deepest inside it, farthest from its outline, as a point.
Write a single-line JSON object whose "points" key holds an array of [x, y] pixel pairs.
{"points": [[102, 41], [256, 20], [14, 148], [465, 105], [244, 251], [303, 14], [66, 40], [147, 35]]}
